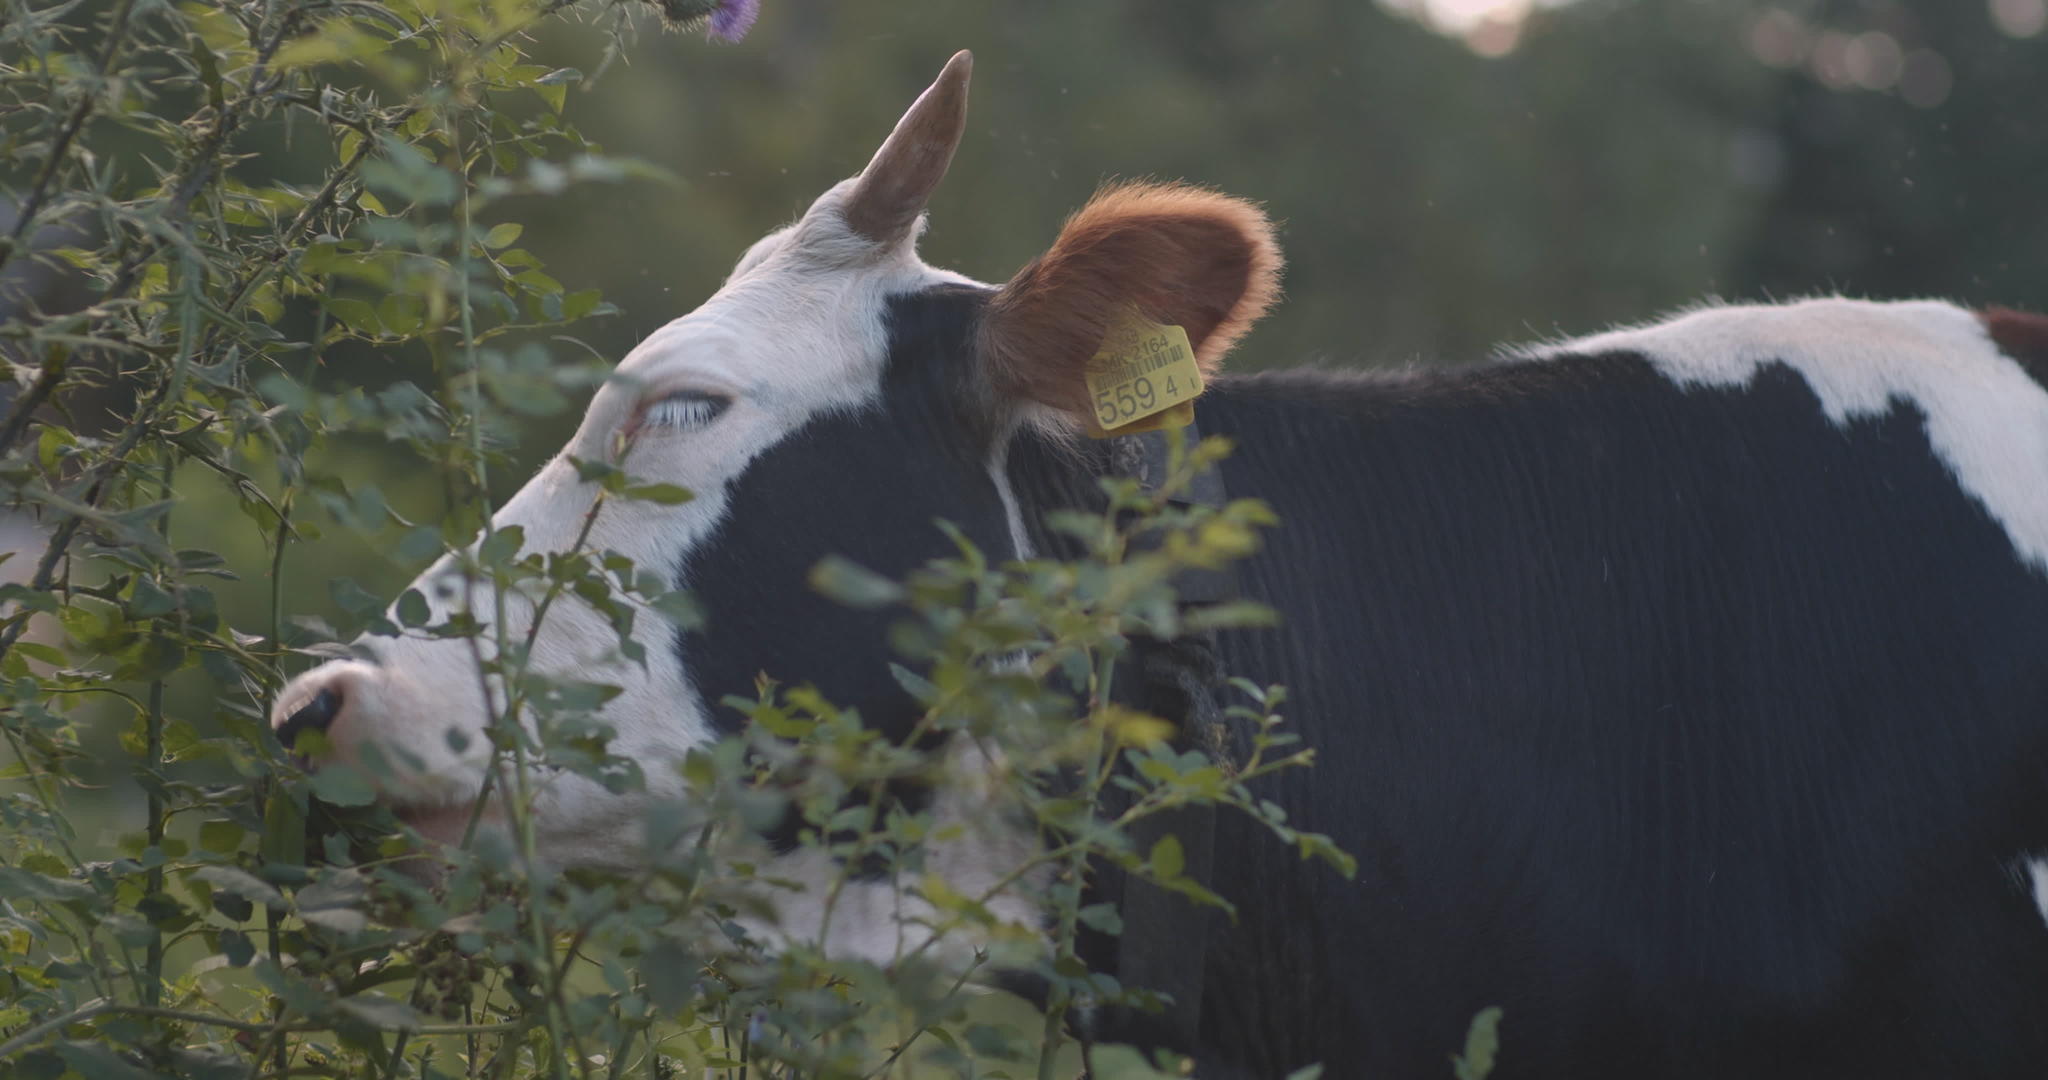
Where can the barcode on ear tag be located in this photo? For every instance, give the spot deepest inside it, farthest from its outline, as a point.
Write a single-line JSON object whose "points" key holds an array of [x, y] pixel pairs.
{"points": [[1144, 378]]}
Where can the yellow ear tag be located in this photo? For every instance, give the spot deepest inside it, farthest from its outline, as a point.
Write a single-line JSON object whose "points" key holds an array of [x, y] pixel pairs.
{"points": [[1143, 379]]}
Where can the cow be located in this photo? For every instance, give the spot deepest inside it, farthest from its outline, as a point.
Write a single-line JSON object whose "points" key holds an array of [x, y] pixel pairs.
{"points": [[1682, 690]]}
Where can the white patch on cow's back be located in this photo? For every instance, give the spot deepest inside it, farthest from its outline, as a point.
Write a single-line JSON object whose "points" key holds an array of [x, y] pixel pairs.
{"points": [[1986, 419], [1013, 514], [2037, 878]]}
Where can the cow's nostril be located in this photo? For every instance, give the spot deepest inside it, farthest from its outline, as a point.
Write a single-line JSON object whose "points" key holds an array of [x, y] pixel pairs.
{"points": [[314, 715]]}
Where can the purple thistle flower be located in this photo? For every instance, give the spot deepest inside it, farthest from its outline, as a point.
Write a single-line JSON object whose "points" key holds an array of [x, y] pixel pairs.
{"points": [[726, 20], [731, 19]]}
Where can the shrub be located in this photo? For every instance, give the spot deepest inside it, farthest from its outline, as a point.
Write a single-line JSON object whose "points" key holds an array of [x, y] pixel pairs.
{"points": [[264, 922]]}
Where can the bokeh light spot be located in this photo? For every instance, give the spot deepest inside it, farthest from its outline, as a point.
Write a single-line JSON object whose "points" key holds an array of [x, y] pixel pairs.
{"points": [[1494, 37], [1874, 60], [1780, 39], [2020, 18], [1829, 61], [1490, 28], [1925, 80]]}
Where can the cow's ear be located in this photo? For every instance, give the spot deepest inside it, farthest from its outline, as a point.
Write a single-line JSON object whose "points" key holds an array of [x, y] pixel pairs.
{"points": [[892, 191], [1174, 254]]}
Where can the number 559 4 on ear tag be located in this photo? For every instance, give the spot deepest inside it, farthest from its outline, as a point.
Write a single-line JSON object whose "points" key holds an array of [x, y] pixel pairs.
{"points": [[1143, 379]]}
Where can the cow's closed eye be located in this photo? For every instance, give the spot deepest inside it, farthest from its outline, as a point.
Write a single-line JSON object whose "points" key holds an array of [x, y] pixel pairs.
{"points": [[686, 410]]}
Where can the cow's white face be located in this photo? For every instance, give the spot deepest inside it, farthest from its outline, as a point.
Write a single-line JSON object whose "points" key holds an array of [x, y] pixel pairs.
{"points": [[792, 336], [835, 396]]}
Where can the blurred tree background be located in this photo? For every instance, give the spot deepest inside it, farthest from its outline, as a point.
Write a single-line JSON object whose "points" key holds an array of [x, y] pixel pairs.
{"points": [[1451, 174], [1442, 192]]}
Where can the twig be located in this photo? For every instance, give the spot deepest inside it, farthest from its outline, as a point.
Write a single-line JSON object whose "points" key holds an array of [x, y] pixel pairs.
{"points": [[104, 1007], [60, 537], [980, 957], [117, 28], [192, 178], [31, 399]]}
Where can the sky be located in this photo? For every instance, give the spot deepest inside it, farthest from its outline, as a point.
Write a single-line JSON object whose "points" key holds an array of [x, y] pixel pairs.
{"points": [[1490, 27], [1462, 16], [1494, 27]]}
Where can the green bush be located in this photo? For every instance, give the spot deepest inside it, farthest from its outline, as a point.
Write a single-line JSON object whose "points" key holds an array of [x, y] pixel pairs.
{"points": [[252, 920]]}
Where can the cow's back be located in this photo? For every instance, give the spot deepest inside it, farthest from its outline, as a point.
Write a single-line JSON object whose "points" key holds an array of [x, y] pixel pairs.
{"points": [[1700, 724]]}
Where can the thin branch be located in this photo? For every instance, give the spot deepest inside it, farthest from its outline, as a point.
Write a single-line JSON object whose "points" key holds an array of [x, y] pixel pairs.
{"points": [[189, 182], [980, 958], [32, 399], [60, 538], [99, 1007], [320, 203], [191, 179], [39, 192]]}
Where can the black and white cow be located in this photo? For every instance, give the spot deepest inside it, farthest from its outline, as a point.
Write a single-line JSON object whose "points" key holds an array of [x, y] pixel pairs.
{"points": [[1683, 689]]}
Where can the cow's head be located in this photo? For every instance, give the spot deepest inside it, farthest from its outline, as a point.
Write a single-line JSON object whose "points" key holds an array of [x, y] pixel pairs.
{"points": [[835, 396]]}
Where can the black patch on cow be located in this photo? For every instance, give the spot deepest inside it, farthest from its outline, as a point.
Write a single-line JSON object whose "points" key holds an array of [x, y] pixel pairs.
{"points": [[1046, 472], [867, 485], [1695, 731]]}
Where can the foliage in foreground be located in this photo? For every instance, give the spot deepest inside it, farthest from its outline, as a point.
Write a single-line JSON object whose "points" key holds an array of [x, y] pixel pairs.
{"points": [[251, 920]]}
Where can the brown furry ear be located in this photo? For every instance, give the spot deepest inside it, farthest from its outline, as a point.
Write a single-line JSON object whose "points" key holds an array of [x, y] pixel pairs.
{"points": [[1177, 254]]}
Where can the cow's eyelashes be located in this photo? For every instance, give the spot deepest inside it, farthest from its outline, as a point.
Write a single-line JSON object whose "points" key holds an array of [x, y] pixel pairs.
{"points": [[684, 411]]}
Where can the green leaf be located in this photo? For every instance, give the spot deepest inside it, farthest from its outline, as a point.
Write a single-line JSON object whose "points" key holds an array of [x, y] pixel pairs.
{"points": [[412, 608], [128, 930], [501, 546], [154, 657], [405, 171], [670, 973], [1102, 917], [95, 1062], [917, 686], [380, 1012], [401, 314], [236, 948], [284, 829], [419, 543], [597, 472], [1167, 858], [221, 835], [538, 283], [993, 1041], [664, 494], [243, 884], [1236, 614], [31, 886], [1482, 1046], [856, 586], [353, 598], [354, 314], [679, 608], [342, 784], [578, 304], [336, 39], [36, 650], [501, 235], [336, 888]]}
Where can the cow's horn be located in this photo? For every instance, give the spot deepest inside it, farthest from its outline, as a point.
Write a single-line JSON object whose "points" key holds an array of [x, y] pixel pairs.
{"points": [[895, 186]]}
